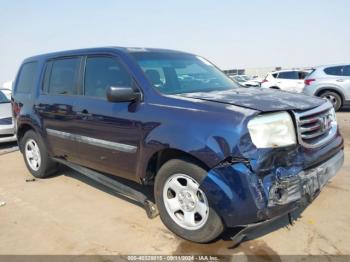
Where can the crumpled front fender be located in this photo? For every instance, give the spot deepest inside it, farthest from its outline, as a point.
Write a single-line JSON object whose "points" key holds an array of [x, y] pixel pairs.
{"points": [[235, 193]]}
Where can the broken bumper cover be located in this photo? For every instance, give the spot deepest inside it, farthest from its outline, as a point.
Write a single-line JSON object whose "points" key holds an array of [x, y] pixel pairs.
{"points": [[241, 197]]}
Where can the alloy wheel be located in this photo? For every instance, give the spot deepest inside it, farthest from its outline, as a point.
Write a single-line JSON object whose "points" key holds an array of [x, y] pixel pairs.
{"points": [[186, 204], [32, 153]]}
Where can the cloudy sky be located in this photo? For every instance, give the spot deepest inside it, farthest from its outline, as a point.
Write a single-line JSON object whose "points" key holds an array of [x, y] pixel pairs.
{"points": [[232, 34]]}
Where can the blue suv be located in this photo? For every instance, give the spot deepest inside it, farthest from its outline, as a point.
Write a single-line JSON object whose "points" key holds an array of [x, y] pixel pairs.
{"points": [[217, 155]]}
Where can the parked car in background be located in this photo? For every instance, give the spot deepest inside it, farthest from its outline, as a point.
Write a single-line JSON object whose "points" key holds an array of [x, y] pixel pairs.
{"points": [[257, 79], [7, 130], [7, 92], [217, 155], [6, 88], [287, 80], [331, 82], [245, 80]]}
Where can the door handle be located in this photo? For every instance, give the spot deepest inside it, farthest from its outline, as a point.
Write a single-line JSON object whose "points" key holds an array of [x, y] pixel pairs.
{"points": [[340, 80]]}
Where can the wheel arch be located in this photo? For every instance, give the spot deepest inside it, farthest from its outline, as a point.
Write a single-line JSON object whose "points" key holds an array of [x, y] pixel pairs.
{"points": [[21, 130], [332, 89], [162, 156]]}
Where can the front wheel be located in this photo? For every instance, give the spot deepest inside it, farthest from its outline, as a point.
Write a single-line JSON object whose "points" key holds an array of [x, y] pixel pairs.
{"points": [[183, 206], [35, 155]]}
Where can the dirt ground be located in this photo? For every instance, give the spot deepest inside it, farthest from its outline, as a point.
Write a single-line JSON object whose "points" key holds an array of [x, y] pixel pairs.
{"points": [[68, 214]]}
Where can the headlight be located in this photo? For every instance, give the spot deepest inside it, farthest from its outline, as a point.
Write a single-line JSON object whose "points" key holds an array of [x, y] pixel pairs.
{"points": [[272, 130], [333, 116]]}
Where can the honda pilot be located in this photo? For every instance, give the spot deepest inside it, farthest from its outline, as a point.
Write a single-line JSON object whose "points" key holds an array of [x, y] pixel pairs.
{"points": [[217, 155]]}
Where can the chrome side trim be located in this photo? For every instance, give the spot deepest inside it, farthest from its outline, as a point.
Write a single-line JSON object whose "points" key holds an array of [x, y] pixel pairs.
{"points": [[93, 141]]}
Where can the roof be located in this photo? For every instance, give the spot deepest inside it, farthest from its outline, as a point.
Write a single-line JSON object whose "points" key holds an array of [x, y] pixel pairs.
{"points": [[329, 65], [101, 49], [290, 70]]}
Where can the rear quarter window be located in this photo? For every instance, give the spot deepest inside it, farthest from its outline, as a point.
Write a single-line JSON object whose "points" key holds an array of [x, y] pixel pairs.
{"points": [[334, 70], [303, 74], [346, 70], [288, 75], [26, 78]]}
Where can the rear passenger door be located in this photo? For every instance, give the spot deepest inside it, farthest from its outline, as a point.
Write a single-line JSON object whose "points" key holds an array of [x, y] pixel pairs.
{"points": [[289, 81], [339, 76], [109, 132], [346, 86], [57, 106]]}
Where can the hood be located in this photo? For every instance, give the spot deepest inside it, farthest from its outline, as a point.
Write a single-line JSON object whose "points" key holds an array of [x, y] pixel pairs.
{"points": [[5, 110], [265, 100]]}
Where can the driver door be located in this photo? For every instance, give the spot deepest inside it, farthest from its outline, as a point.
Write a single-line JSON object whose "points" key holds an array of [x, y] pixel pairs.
{"points": [[109, 132]]}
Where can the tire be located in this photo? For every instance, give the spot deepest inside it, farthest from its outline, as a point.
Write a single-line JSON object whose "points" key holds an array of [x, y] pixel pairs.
{"points": [[34, 151], [334, 98], [275, 87], [168, 190]]}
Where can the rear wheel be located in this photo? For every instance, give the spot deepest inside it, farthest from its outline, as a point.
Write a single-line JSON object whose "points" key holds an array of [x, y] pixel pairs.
{"points": [[183, 206], [334, 98], [35, 156]]}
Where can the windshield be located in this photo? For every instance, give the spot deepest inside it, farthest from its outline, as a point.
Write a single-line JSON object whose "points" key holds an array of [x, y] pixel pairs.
{"points": [[3, 98], [176, 73], [238, 78]]}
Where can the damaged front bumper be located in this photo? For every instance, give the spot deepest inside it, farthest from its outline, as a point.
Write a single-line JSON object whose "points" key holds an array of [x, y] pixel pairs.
{"points": [[241, 197]]}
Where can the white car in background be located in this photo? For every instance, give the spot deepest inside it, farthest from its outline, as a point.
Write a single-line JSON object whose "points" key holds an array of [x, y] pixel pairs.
{"points": [[288, 80], [245, 80], [6, 92], [7, 128], [6, 88]]}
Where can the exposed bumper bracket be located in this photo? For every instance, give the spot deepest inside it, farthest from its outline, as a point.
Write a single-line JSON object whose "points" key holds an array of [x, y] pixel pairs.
{"points": [[246, 229]]}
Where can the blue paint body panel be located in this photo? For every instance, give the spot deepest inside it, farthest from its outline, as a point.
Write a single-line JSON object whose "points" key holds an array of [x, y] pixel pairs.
{"points": [[209, 127]]}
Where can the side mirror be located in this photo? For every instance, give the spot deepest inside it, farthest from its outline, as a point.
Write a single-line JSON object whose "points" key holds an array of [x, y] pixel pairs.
{"points": [[122, 94]]}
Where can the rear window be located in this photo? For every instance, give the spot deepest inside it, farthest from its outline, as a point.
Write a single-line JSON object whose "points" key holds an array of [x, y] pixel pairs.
{"points": [[3, 98], [346, 70], [288, 75], [26, 78], [334, 70], [64, 77]]}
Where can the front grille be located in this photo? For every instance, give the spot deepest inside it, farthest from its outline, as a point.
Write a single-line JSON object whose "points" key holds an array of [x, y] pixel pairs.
{"points": [[317, 126], [6, 121]]}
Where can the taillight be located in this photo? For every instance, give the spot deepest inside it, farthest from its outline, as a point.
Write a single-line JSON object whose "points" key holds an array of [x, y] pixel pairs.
{"points": [[308, 82], [16, 109], [265, 80]]}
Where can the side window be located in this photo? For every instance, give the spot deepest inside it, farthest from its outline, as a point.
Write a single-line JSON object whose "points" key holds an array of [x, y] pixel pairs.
{"points": [[288, 75], [334, 71], [26, 78], [155, 75], [302, 74], [103, 72], [346, 70], [64, 77]]}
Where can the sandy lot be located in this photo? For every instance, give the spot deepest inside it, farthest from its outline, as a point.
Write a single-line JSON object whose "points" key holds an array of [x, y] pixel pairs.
{"points": [[68, 214]]}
